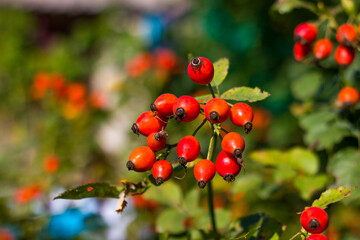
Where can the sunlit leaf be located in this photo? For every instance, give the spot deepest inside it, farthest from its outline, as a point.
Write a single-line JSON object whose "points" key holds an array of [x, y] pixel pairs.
{"points": [[308, 185], [332, 196], [97, 189], [304, 160], [203, 98], [245, 94], [286, 6], [170, 220], [221, 68], [168, 193]]}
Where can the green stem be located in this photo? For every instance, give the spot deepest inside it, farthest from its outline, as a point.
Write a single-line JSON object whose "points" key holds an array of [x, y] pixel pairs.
{"points": [[298, 234], [210, 199], [211, 90]]}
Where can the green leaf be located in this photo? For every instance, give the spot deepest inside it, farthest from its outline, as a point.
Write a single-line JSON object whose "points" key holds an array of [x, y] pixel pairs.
{"points": [[257, 226], [191, 201], [332, 196], [203, 98], [271, 157], [349, 7], [307, 85], [286, 6], [245, 94], [304, 160], [316, 119], [221, 68], [97, 189], [170, 220], [345, 166], [246, 183], [308, 185], [168, 193]]}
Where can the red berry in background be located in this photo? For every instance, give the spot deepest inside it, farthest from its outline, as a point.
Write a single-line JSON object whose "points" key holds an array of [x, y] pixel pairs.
{"points": [[51, 164], [204, 172], [156, 141], [348, 96], [148, 123], [201, 70], [164, 104], [140, 202], [141, 159], [323, 48], [317, 237], [234, 145], [188, 149], [242, 115], [186, 109], [305, 33], [301, 51], [162, 171], [344, 56], [314, 220], [217, 110], [227, 167], [346, 35]]}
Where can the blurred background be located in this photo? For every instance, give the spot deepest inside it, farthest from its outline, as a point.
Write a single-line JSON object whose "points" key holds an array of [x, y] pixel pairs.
{"points": [[75, 75]]}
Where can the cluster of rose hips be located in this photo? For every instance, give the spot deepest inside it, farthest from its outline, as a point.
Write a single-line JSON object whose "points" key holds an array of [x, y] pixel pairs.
{"points": [[167, 106], [346, 35], [314, 220]]}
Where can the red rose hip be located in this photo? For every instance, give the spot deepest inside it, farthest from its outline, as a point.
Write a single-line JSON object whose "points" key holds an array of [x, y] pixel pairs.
{"points": [[305, 33], [227, 167], [301, 51], [217, 110], [344, 56], [204, 172], [317, 237], [162, 171], [346, 35], [348, 96], [201, 70], [242, 115], [188, 149], [186, 109], [156, 141], [233, 144], [323, 49], [314, 220], [141, 159], [148, 123], [163, 105]]}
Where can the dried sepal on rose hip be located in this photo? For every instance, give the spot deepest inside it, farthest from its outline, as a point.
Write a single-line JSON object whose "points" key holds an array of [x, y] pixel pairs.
{"points": [[188, 149], [233, 144], [201, 70], [348, 96], [147, 123], [226, 166], [163, 105], [204, 172], [186, 109], [217, 110], [141, 159], [242, 115], [314, 220], [162, 171]]}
